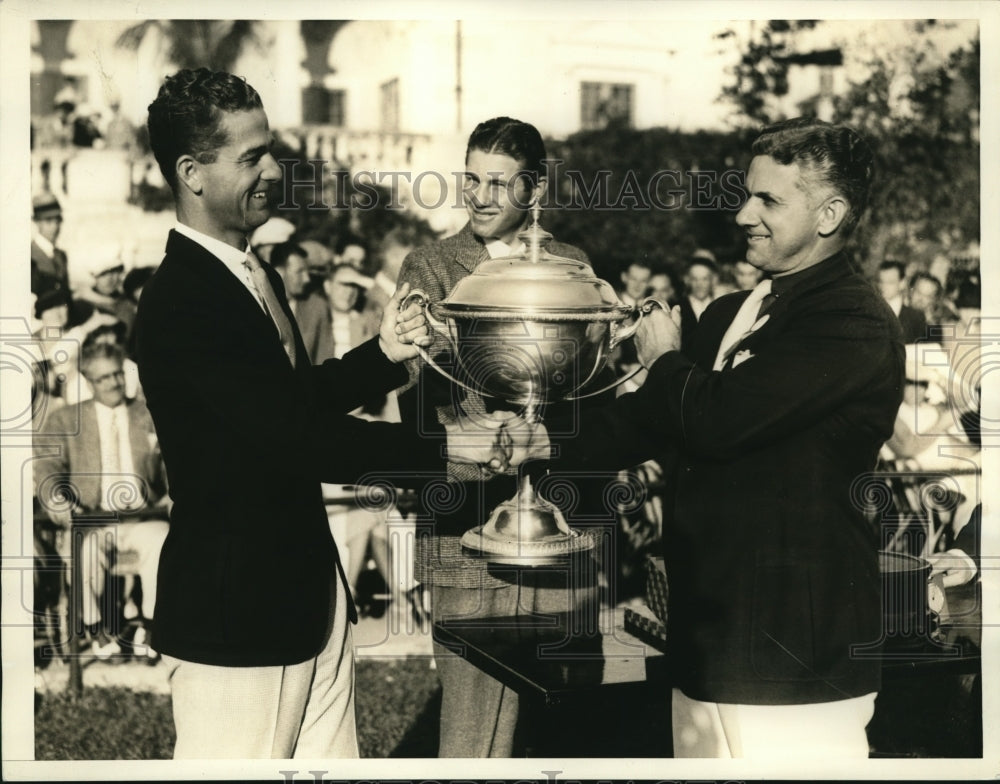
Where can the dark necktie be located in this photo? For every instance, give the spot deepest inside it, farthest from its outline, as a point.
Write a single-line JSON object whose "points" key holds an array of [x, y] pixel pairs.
{"points": [[271, 305]]}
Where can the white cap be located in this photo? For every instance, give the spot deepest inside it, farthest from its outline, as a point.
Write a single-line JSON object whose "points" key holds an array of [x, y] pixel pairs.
{"points": [[98, 258], [271, 233]]}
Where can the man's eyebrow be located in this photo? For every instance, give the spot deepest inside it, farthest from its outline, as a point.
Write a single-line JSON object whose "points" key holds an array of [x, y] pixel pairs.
{"points": [[255, 152], [765, 195]]}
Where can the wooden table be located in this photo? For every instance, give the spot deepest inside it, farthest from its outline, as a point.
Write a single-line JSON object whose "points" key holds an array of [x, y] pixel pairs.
{"points": [[582, 694]]}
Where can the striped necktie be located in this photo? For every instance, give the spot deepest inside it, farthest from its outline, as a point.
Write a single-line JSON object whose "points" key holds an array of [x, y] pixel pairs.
{"points": [[272, 307]]}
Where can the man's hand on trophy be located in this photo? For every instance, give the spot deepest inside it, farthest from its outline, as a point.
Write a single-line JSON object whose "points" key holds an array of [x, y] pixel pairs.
{"points": [[527, 441], [479, 441], [658, 333], [402, 331]]}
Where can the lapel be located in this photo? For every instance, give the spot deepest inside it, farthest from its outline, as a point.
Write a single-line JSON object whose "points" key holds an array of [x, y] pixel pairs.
{"points": [[139, 440], [234, 302], [833, 269], [86, 463], [713, 325], [469, 250]]}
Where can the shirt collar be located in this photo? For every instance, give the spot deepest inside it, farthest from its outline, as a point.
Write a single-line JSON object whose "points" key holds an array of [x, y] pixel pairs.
{"points": [[227, 254], [499, 249], [783, 284], [107, 411], [47, 247]]}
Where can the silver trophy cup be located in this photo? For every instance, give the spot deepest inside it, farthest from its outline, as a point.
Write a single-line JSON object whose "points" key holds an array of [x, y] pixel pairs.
{"points": [[528, 330]]}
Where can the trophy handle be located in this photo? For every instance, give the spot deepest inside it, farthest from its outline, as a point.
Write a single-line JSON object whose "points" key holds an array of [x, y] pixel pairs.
{"points": [[441, 328], [643, 308]]}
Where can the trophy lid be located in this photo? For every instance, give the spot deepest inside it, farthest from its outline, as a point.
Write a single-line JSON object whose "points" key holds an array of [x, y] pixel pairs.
{"points": [[534, 283]]}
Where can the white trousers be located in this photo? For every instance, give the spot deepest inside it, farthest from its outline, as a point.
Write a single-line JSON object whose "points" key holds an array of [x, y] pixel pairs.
{"points": [[301, 711], [145, 539], [771, 732]]}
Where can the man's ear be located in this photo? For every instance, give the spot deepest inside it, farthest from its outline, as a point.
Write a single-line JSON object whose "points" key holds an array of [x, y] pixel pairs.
{"points": [[832, 214], [189, 173]]}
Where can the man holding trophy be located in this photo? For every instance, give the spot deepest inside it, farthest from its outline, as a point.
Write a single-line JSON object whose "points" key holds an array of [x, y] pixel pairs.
{"points": [[504, 177], [253, 610], [792, 389]]}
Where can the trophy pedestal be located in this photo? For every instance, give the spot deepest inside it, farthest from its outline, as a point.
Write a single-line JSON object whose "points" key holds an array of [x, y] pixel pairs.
{"points": [[526, 530]]}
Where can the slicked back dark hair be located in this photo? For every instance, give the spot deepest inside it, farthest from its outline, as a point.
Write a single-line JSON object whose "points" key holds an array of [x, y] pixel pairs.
{"points": [[892, 264], [507, 136], [837, 155], [186, 115]]}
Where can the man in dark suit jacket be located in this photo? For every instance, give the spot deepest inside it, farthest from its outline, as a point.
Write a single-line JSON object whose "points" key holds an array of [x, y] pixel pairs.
{"points": [[252, 611], [773, 570], [48, 263], [700, 279], [892, 285]]}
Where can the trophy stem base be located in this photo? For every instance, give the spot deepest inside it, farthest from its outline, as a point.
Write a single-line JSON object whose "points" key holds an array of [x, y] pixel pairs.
{"points": [[526, 530]]}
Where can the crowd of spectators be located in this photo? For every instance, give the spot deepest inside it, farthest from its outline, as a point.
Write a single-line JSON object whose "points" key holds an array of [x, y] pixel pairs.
{"points": [[336, 290], [936, 430]]}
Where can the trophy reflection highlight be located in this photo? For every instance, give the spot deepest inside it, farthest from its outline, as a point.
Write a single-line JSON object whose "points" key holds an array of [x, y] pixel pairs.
{"points": [[528, 330]]}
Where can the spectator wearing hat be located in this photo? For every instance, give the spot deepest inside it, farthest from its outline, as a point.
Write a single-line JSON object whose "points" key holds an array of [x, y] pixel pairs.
{"points": [[267, 235], [49, 267], [700, 279], [351, 249], [60, 338], [105, 293]]}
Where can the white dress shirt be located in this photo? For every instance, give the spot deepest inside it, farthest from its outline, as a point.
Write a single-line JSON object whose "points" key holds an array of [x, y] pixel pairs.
{"points": [[233, 259], [499, 249]]}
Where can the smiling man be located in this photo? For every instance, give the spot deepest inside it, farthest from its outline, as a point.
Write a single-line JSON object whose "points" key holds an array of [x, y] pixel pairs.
{"points": [[780, 406], [504, 174], [252, 609]]}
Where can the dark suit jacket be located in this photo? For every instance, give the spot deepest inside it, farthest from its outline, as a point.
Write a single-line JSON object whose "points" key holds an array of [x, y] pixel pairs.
{"points": [[689, 323], [247, 571], [48, 272], [914, 324], [773, 570]]}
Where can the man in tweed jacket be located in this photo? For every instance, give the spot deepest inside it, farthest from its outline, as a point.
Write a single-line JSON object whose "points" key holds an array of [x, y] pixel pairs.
{"points": [[504, 174]]}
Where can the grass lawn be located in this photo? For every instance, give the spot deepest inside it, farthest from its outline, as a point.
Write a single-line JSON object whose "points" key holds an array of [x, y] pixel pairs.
{"points": [[398, 701]]}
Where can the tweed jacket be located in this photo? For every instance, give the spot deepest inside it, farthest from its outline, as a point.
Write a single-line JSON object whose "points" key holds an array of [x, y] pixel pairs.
{"points": [[772, 565], [68, 456]]}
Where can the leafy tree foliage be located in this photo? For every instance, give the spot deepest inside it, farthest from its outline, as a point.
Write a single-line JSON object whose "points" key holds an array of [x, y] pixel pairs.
{"points": [[623, 194], [926, 196], [920, 114]]}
